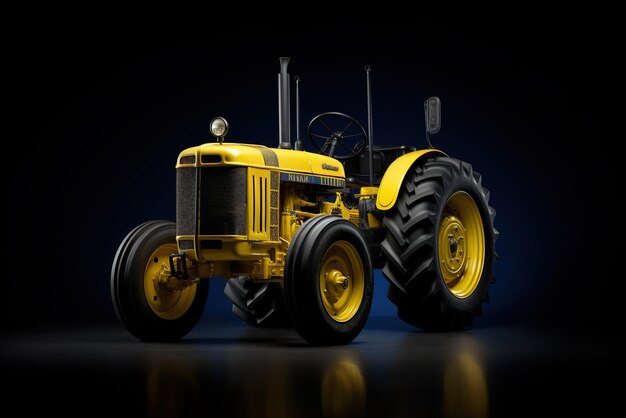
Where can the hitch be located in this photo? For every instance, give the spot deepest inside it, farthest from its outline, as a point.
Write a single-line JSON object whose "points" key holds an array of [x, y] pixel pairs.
{"points": [[178, 265]]}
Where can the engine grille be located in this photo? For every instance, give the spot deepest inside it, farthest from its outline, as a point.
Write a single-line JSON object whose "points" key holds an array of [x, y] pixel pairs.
{"points": [[222, 201], [186, 201]]}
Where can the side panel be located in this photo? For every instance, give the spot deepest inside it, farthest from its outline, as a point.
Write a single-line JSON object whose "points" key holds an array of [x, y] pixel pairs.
{"points": [[263, 198], [394, 176]]}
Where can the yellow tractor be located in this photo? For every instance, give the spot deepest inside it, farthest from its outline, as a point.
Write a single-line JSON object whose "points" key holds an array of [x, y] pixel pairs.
{"points": [[297, 234]]}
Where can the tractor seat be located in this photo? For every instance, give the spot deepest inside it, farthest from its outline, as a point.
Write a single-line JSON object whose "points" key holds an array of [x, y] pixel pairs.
{"points": [[357, 167]]}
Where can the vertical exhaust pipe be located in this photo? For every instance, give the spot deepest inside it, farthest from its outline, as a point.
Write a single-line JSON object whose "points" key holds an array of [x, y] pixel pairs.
{"points": [[370, 125], [298, 146], [284, 104]]}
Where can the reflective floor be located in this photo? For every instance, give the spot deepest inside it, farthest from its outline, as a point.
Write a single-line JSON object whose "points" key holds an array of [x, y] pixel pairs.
{"points": [[224, 368]]}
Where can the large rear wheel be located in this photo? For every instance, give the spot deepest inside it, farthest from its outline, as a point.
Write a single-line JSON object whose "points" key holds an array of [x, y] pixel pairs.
{"points": [[151, 308], [440, 245]]}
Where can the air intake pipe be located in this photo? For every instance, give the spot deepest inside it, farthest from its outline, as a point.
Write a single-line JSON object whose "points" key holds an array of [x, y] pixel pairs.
{"points": [[284, 104]]}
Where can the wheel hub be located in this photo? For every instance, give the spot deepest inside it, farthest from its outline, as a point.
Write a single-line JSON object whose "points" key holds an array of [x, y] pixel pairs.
{"points": [[454, 245], [341, 281], [168, 297], [461, 245], [454, 256], [336, 284]]}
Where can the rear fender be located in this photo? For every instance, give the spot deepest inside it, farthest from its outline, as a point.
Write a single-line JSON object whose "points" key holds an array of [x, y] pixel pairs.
{"points": [[394, 176]]}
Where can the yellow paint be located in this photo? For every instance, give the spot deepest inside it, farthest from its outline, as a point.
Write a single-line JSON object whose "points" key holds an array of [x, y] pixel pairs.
{"points": [[461, 245], [254, 254], [258, 204], [394, 176], [197, 254], [238, 256], [289, 222], [292, 215], [342, 281], [274, 214], [249, 155], [165, 301], [368, 191], [339, 208], [301, 161]]}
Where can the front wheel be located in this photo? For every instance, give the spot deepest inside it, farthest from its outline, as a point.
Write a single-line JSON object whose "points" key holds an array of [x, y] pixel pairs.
{"points": [[328, 281], [149, 308]]}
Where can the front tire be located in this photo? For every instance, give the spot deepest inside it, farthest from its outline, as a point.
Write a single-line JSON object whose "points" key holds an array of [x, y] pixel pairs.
{"points": [[328, 281], [440, 246], [149, 311]]}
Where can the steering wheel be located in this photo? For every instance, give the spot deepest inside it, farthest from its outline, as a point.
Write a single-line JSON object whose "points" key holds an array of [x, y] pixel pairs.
{"points": [[334, 132]]}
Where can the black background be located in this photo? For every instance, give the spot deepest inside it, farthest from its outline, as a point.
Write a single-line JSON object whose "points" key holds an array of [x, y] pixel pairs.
{"points": [[101, 111]]}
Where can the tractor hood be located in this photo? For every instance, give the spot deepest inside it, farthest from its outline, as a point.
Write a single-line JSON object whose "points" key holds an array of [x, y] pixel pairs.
{"points": [[251, 155]]}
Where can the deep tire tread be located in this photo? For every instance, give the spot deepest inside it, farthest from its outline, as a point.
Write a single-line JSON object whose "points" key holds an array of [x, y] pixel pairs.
{"points": [[255, 303], [416, 287]]}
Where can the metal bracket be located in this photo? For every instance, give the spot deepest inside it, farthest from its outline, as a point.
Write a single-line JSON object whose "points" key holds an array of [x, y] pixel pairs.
{"points": [[178, 265]]}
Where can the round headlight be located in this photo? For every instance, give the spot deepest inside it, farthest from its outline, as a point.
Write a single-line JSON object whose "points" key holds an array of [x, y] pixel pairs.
{"points": [[219, 127]]}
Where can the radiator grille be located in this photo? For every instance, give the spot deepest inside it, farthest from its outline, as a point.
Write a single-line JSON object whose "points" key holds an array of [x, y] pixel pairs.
{"points": [[222, 201], [222, 205], [186, 201]]}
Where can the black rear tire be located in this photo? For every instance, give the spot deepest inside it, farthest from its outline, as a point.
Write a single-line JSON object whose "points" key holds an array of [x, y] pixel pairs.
{"points": [[303, 295], [256, 303], [417, 285], [128, 292]]}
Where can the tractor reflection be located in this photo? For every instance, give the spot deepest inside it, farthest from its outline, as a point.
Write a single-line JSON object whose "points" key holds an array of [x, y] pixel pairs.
{"points": [[172, 388], [436, 374], [293, 388], [465, 391], [343, 390], [426, 375], [271, 385]]}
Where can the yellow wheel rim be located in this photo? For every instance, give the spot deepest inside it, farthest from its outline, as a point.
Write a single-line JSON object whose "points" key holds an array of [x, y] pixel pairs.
{"points": [[461, 245], [165, 302], [342, 281]]}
